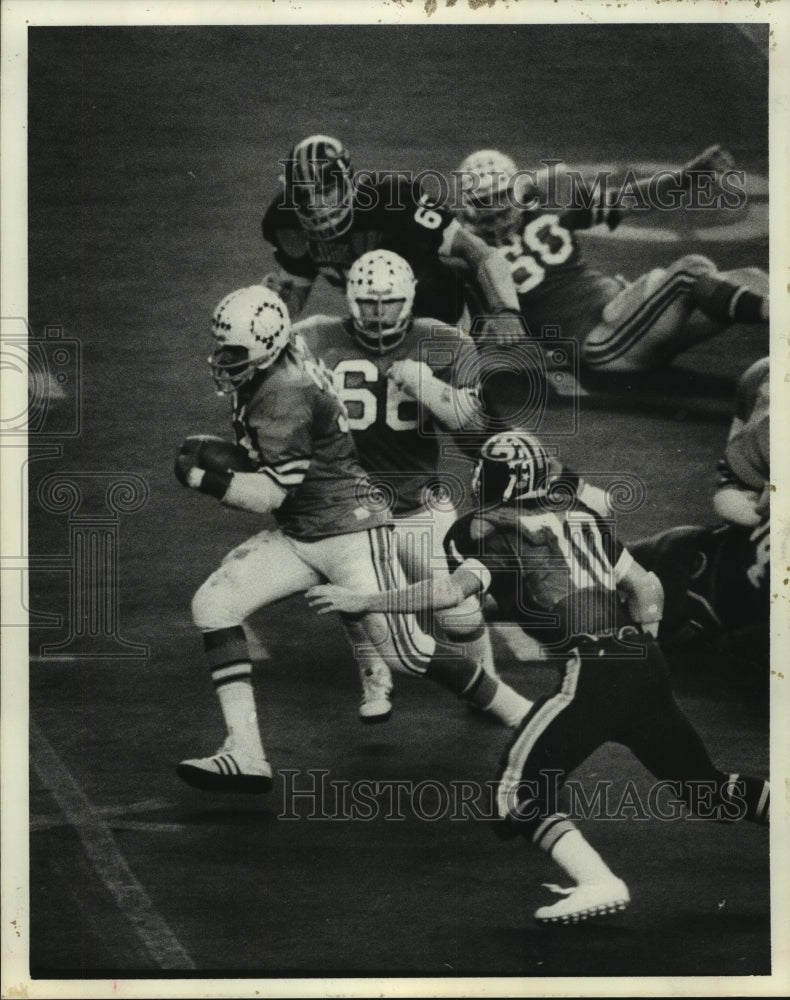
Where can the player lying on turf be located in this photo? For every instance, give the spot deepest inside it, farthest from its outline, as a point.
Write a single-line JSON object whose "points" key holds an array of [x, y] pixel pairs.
{"points": [[299, 464], [326, 215], [620, 326], [717, 579], [555, 566], [403, 381]]}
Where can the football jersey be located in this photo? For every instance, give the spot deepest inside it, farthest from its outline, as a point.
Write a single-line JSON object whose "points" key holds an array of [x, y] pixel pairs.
{"points": [[747, 452], [292, 424], [715, 579], [555, 285], [389, 214], [398, 442], [553, 572]]}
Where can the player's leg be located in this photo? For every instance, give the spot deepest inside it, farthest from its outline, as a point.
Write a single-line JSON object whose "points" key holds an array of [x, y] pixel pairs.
{"points": [[367, 561], [725, 298], [658, 732], [464, 660], [380, 643], [419, 540], [258, 572], [558, 734], [375, 675], [644, 326]]}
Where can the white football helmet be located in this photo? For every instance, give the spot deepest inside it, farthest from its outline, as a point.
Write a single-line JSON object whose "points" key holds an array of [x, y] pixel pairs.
{"points": [[380, 293], [320, 183], [251, 327], [488, 200]]}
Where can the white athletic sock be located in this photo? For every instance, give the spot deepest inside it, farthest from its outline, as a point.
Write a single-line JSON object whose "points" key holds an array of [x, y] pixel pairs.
{"points": [[508, 705], [480, 651], [238, 708], [581, 861]]}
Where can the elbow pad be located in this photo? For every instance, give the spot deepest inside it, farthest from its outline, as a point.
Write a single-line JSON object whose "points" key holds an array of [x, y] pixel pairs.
{"points": [[647, 606]]}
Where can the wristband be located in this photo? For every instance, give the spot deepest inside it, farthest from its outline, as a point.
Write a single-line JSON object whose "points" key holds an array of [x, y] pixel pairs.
{"points": [[215, 483]]}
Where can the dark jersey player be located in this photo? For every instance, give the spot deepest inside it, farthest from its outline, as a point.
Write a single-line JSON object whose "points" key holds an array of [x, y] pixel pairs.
{"points": [[556, 567], [327, 216], [717, 579]]}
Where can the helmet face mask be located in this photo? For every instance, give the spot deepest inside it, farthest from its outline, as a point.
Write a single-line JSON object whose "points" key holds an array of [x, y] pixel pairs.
{"points": [[513, 466], [380, 293], [251, 327], [488, 209], [320, 182]]}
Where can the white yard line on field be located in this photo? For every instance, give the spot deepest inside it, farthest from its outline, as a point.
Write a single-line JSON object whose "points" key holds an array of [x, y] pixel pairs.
{"points": [[110, 866]]}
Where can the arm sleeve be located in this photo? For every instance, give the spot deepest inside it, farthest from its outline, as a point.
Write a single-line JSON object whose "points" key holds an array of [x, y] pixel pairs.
{"points": [[492, 559], [281, 229]]}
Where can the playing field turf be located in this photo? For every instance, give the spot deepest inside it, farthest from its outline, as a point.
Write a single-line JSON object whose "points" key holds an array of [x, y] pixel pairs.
{"points": [[152, 154]]}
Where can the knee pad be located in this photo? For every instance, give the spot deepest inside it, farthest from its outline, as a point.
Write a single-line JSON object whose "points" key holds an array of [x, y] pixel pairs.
{"points": [[693, 263], [214, 607], [462, 622]]}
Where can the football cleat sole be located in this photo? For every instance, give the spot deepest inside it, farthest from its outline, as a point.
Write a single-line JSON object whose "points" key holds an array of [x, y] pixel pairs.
{"points": [[606, 910], [586, 903]]}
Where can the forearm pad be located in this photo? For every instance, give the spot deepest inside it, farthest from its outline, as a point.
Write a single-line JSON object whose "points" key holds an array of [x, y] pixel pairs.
{"points": [[456, 408], [495, 283], [254, 492]]}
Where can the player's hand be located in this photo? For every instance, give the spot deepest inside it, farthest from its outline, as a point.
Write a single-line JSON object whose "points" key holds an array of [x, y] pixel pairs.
{"points": [[714, 159], [503, 330], [186, 472], [409, 375], [326, 597]]}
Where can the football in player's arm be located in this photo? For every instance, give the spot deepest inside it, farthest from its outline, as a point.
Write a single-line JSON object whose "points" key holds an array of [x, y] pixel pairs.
{"points": [[291, 424], [555, 567]]}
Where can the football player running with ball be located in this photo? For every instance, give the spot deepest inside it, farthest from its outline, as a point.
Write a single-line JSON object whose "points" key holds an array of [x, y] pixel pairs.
{"points": [[303, 469], [552, 564], [403, 381], [620, 326]]}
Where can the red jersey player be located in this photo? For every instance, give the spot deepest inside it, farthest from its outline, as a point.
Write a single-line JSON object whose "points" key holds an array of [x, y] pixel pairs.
{"points": [[404, 381]]}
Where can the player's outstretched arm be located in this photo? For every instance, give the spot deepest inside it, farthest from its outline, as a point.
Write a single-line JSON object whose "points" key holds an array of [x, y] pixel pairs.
{"points": [[712, 162], [445, 592], [491, 273]]}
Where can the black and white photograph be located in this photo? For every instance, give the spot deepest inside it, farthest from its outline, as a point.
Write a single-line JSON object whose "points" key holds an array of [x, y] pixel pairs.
{"points": [[388, 468]]}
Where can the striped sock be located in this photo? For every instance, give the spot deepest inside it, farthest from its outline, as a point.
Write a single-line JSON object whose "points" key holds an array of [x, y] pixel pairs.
{"points": [[727, 302], [231, 671]]}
